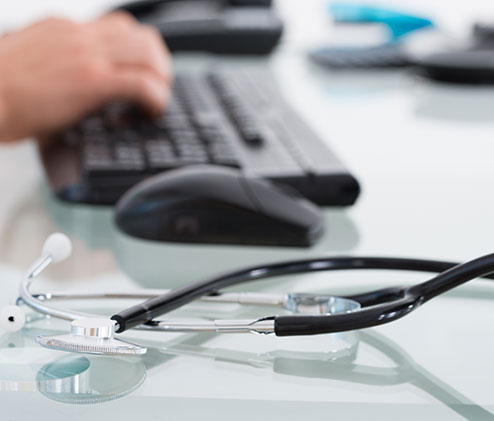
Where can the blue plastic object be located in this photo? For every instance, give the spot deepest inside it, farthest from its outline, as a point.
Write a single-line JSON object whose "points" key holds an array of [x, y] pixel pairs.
{"points": [[399, 23]]}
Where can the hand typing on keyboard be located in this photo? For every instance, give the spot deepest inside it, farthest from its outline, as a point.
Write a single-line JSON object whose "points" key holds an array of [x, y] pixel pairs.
{"points": [[218, 118], [55, 71]]}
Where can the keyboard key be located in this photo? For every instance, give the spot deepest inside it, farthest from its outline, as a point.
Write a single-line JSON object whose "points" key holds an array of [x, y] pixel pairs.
{"points": [[162, 163], [160, 154], [243, 119], [126, 136], [118, 116], [214, 134], [96, 150], [100, 168], [250, 133], [98, 163], [193, 160], [184, 137], [224, 154], [93, 125]]}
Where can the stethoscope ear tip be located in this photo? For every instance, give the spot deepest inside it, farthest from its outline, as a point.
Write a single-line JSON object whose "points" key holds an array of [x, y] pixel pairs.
{"points": [[12, 318], [58, 246]]}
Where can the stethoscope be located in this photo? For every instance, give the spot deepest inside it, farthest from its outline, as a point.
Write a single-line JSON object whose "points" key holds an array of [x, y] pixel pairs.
{"points": [[312, 314]]}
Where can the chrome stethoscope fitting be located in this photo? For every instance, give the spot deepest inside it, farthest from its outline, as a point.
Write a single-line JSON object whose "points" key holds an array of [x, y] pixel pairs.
{"points": [[91, 335]]}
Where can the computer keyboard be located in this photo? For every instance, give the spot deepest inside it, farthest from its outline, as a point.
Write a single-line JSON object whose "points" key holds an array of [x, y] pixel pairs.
{"points": [[235, 119]]}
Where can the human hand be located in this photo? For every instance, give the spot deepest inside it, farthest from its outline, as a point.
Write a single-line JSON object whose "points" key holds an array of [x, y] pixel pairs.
{"points": [[55, 71]]}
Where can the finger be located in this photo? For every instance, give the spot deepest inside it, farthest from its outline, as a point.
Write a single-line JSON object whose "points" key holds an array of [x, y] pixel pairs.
{"points": [[143, 47], [139, 86], [119, 16], [125, 41]]}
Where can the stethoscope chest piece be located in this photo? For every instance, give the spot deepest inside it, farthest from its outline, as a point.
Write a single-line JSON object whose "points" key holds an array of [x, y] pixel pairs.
{"points": [[91, 335]]}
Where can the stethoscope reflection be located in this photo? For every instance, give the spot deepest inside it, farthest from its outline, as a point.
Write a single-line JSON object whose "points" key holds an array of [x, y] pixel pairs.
{"points": [[70, 378], [77, 379], [336, 347], [341, 365], [102, 381]]}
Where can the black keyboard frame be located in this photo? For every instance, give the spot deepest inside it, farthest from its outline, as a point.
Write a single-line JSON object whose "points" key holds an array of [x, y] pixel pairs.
{"points": [[270, 139]]}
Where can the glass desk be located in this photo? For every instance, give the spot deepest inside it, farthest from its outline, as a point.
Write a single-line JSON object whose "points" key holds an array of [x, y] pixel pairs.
{"points": [[423, 154]]}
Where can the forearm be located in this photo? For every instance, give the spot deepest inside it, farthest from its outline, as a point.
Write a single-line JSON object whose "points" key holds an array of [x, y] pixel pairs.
{"points": [[8, 131], [4, 136]]}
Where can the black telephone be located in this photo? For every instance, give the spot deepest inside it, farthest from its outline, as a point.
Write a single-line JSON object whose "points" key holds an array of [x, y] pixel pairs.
{"points": [[218, 26]]}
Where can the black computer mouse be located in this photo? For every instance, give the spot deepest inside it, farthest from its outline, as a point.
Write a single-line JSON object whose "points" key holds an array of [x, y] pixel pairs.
{"points": [[212, 204]]}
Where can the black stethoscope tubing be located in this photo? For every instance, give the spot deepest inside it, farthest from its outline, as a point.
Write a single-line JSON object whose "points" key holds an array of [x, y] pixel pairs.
{"points": [[378, 307]]}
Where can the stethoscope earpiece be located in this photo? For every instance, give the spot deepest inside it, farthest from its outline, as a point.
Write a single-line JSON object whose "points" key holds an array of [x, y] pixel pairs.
{"points": [[12, 318], [58, 246]]}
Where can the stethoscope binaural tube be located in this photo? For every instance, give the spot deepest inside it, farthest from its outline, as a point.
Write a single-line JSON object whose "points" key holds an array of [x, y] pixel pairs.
{"points": [[379, 307], [152, 308]]}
